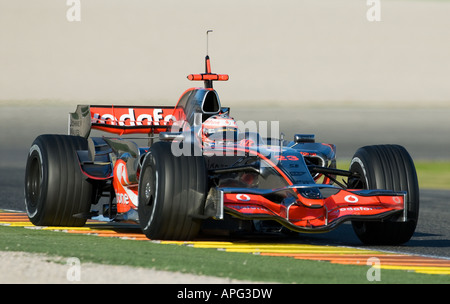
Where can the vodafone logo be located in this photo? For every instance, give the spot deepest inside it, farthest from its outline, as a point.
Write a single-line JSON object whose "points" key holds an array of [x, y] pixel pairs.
{"points": [[122, 173], [242, 197], [396, 200], [124, 194], [351, 199], [131, 116]]}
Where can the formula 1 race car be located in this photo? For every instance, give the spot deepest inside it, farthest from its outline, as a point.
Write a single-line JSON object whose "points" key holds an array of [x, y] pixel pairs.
{"points": [[197, 168]]}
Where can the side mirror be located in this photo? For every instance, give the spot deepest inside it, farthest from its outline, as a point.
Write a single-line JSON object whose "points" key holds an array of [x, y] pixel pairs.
{"points": [[171, 136], [304, 138]]}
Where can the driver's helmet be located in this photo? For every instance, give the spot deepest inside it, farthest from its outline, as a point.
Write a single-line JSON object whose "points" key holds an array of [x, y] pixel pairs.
{"points": [[219, 129]]}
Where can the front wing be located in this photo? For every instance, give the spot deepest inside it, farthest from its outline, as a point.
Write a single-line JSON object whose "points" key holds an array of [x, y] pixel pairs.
{"points": [[311, 215]]}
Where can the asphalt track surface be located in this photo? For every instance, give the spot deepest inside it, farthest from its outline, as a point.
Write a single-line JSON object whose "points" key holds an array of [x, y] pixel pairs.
{"points": [[432, 237]]}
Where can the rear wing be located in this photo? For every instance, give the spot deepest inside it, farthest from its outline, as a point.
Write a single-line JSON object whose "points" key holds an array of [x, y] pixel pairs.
{"points": [[120, 119]]}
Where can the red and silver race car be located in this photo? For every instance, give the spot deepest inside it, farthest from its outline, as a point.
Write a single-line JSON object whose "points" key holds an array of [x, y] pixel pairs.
{"points": [[197, 169]]}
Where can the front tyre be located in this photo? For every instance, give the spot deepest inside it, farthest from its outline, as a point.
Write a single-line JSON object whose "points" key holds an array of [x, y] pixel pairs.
{"points": [[172, 192], [55, 187], [388, 167]]}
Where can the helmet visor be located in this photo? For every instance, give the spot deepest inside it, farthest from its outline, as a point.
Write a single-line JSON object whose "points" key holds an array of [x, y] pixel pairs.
{"points": [[221, 134]]}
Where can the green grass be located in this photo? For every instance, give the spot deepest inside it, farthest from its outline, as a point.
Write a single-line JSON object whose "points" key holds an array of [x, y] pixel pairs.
{"points": [[185, 259], [431, 174]]}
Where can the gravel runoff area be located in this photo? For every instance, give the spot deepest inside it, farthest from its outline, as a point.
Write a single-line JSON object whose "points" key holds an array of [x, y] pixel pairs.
{"points": [[31, 268]]}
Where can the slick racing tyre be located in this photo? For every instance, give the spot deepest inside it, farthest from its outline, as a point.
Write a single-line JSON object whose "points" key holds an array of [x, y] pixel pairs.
{"points": [[55, 187], [387, 167], [172, 192]]}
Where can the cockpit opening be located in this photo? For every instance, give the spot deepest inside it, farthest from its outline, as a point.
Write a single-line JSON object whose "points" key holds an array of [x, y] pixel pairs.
{"points": [[210, 106]]}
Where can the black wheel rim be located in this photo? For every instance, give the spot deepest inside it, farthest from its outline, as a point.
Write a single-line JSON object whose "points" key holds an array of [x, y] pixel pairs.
{"points": [[33, 182]]}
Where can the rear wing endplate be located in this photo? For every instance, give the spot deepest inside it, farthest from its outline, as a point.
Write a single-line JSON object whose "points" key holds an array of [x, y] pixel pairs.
{"points": [[120, 119]]}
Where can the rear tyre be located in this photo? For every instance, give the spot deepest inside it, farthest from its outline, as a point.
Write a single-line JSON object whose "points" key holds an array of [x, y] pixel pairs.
{"points": [[172, 192], [387, 167], [55, 187]]}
